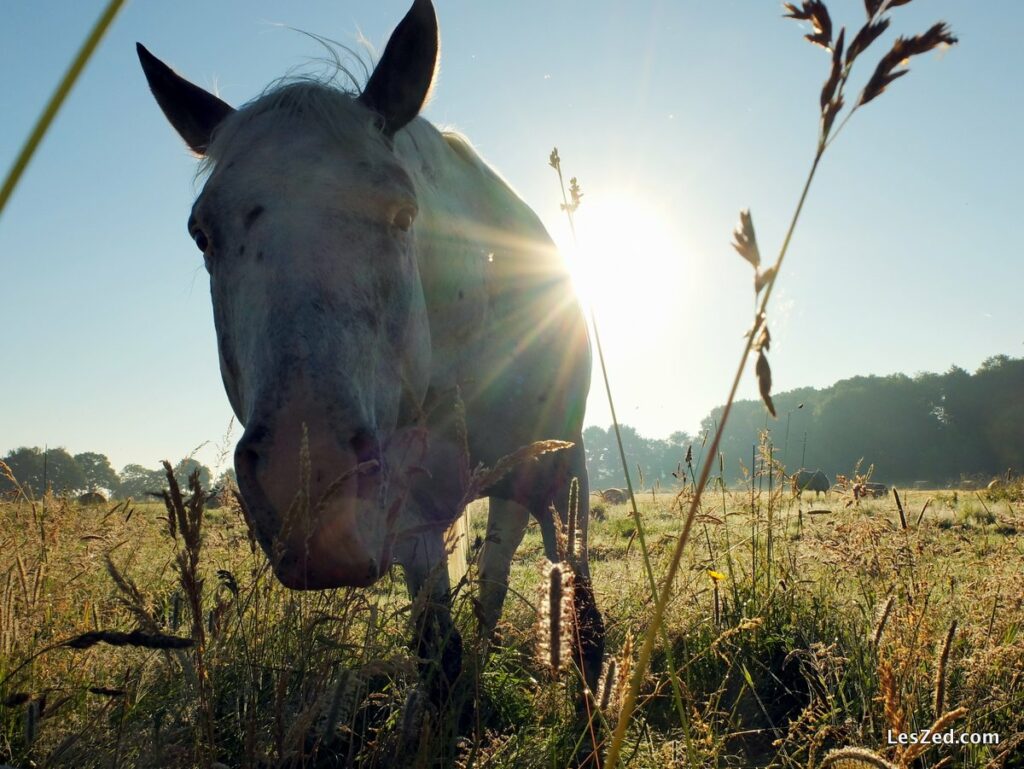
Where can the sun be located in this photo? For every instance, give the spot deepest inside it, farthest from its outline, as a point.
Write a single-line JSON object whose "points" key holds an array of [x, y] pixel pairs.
{"points": [[627, 259]]}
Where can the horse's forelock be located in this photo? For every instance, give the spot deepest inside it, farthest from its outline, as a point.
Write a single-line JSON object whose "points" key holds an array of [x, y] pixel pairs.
{"points": [[325, 106]]}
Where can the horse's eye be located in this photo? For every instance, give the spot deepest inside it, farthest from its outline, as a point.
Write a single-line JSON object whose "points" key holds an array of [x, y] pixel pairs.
{"points": [[403, 219], [202, 243]]}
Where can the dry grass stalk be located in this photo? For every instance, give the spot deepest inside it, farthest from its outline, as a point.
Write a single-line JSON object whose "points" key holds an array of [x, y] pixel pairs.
{"points": [[883, 618], [131, 597], [890, 697], [296, 517], [189, 518], [338, 483], [457, 545], [656, 619], [855, 758], [717, 603], [22, 575], [571, 545], [940, 670], [1009, 750], [940, 725], [899, 507], [483, 477], [608, 682], [746, 625], [8, 617], [189, 522], [625, 670], [924, 507]]}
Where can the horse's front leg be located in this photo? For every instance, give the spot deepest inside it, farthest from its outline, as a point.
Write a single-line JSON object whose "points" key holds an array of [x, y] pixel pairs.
{"points": [[506, 525], [436, 640]]}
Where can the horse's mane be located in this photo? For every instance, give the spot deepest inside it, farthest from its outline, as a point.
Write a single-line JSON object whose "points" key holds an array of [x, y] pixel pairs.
{"points": [[322, 103], [323, 88], [327, 96]]}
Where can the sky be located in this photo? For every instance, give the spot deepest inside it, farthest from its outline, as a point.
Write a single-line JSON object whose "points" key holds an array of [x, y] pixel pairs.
{"points": [[673, 114]]}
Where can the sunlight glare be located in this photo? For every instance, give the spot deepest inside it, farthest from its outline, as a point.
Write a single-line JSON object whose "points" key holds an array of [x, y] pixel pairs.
{"points": [[628, 257]]}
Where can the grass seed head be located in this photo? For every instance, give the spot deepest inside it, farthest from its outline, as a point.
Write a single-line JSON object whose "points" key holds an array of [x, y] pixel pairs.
{"points": [[940, 671], [556, 617], [608, 681], [888, 68], [816, 13], [865, 37], [855, 758], [744, 240]]}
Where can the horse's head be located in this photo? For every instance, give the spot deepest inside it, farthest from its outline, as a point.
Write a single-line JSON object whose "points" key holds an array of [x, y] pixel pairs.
{"points": [[306, 226]]}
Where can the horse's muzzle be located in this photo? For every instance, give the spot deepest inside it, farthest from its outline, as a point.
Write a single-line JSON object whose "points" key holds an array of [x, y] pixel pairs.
{"points": [[317, 514]]}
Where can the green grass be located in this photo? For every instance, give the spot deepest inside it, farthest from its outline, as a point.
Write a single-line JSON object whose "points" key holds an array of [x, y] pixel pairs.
{"points": [[781, 671]]}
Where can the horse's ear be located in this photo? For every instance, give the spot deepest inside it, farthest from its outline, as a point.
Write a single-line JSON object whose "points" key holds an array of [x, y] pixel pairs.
{"points": [[193, 112], [401, 81]]}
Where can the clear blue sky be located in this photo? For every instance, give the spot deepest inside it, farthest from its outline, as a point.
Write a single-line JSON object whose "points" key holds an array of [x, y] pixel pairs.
{"points": [[908, 257]]}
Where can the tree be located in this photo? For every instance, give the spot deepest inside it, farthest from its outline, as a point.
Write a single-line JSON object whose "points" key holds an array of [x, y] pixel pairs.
{"points": [[227, 479], [184, 469], [136, 481], [27, 467], [97, 471], [38, 469], [680, 438], [653, 459]]}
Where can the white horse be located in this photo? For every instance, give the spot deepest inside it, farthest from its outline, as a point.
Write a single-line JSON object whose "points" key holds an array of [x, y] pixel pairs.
{"points": [[389, 314]]}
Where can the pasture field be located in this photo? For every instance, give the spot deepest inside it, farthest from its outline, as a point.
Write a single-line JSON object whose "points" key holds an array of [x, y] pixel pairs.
{"points": [[797, 627]]}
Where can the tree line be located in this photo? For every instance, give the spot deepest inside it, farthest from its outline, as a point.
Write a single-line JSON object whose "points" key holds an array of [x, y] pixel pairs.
{"points": [[935, 428], [63, 473]]}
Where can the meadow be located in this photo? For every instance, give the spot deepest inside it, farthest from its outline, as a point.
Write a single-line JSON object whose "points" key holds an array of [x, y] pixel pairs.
{"points": [[797, 626], [792, 632]]}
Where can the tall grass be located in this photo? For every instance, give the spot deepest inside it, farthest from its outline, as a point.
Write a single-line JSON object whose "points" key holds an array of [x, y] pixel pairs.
{"points": [[837, 646], [758, 339]]}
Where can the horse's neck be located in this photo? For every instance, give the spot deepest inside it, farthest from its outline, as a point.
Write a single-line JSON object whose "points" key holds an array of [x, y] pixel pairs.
{"points": [[464, 199], [481, 248]]}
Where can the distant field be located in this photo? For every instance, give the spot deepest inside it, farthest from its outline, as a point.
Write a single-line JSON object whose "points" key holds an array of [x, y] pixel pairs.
{"points": [[782, 651]]}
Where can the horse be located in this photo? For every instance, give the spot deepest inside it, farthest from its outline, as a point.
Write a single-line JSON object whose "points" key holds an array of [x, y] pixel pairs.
{"points": [[390, 315], [810, 480], [615, 496]]}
